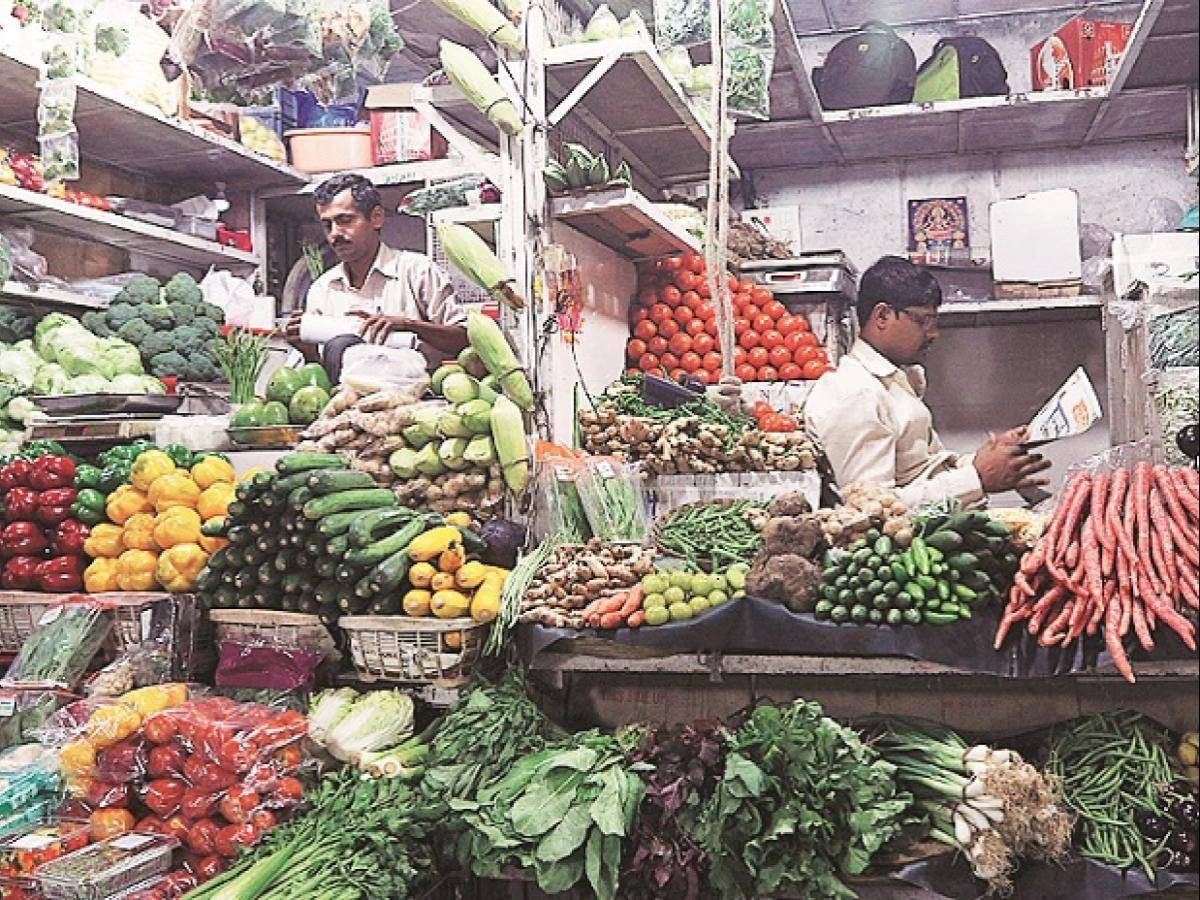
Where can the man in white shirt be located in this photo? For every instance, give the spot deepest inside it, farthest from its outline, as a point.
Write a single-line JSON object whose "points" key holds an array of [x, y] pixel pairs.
{"points": [[869, 415], [390, 290]]}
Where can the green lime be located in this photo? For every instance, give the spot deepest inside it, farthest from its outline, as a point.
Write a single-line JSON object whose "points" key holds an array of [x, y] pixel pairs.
{"points": [[680, 612], [716, 598], [654, 600], [655, 583], [657, 615], [699, 605], [673, 595]]}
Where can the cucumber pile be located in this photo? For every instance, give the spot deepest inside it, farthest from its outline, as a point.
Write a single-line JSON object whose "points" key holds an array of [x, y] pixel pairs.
{"points": [[955, 563], [313, 537]]}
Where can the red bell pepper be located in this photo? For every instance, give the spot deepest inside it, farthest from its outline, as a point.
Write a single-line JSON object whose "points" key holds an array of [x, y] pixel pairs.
{"points": [[20, 573], [15, 474], [67, 538], [54, 506], [51, 516], [22, 539], [52, 472], [21, 505], [61, 575], [63, 496]]}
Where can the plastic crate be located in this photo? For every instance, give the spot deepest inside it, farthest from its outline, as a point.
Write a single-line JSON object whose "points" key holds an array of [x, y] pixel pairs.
{"points": [[297, 629], [99, 871], [437, 652]]}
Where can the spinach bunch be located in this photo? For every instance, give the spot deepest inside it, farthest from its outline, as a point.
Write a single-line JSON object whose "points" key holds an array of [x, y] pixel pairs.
{"points": [[562, 813], [803, 802]]}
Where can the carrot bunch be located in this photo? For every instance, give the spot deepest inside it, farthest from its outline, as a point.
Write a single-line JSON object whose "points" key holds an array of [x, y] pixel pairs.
{"points": [[623, 610], [1121, 551]]}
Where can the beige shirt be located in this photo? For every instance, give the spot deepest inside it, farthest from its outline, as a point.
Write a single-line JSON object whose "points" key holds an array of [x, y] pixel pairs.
{"points": [[874, 427], [399, 283]]}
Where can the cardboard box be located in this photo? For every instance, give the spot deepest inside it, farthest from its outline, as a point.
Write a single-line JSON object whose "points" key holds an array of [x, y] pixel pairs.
{"points": [[398, 132], [1083, 53]]}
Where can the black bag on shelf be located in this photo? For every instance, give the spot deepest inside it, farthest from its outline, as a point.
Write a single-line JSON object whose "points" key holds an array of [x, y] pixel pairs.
{"points": [[875, 67], [961, 67]]}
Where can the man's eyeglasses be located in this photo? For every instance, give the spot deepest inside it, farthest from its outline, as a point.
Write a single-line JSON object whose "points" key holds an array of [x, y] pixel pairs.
{"points": [[924, 321]]}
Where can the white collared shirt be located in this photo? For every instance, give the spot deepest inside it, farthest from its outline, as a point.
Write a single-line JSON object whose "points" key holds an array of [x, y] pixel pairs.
{"points": [[399, 283], [874, 427]]}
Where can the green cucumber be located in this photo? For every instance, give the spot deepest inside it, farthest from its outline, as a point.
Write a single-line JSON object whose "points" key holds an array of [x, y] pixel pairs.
{"points": [[945, 541], [388, 574], [304, 462], [374, 524], [334, 480], [964, 562], [393, 543], [293, 583], [337, 523], [343, 501]]}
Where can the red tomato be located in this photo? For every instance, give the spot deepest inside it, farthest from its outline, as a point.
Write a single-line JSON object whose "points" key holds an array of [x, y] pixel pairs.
{"points": [[704, 290], [678, 375], [149, 825], [648, 362], [680, 344], [739, 356], [635, 348], [787, 324], [763, 323], [672, 263], [758, 357], [238, 803], [705, 376], [263, 819], [703, 343], [688, 281], [711, 362], [814, 368], [632, 371], [705, 310], [710, 327], [105, 794], [749, 339], [176, 827], [775, 309], [208, 775], [668, 329], [644, 330], [768, 373], [696, 326], [692, 300], [210, 867], [740, 326], [238, 754], [822, 355], [791, 340], [746, 287], [809, 339], [233, 837], [683, 315], [790, 372], [641, 314], [164, 760], [695, 262], [659, 313], [780, 356], [761, 296], [670, 295], [751, 312], [805, 353], [745, 371], [657, 345], [772, 339], [163, 795], [202, 836], [731, 284], [159, 728], [690, 361], [804, 326], [668, 361]]}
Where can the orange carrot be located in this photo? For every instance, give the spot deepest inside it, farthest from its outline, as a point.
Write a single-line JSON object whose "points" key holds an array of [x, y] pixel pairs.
{"points": [[1098, 505], [611, 620], [637, 618], [1112, 639], [633, 601], [1032, 560], [1117, 489], [1166, 486], [1162, 531], [1141, 628], [1177, 623], [1079, 502]]}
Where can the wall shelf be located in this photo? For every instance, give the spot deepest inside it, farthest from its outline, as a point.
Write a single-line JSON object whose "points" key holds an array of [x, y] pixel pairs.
{"points": [[45, 297], [1018, 312], [89, 224], [624, 221]]}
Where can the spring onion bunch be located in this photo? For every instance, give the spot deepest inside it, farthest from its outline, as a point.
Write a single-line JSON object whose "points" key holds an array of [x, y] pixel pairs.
{"points": [[988, 803]]}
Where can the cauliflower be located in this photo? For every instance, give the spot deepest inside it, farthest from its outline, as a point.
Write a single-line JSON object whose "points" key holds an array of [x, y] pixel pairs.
{"points": [[135, 331], [182, 288], [142, 289], [170, 363]]}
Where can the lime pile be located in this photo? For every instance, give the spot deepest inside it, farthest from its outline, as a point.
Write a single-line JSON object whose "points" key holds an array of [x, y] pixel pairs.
{"points": [[680, 595]]}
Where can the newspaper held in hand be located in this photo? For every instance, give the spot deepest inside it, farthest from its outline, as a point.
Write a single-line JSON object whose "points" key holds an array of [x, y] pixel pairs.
{"points": [[1072, 410]]}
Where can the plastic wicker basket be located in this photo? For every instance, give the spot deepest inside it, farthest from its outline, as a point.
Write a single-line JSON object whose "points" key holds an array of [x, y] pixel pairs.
{"points": [[438, 652], [297, 629], [132, 616], [19, 614]]}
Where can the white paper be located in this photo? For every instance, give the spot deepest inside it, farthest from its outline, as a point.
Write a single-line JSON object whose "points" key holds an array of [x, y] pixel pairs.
{"points": [[320, 329], [1072, 410]]}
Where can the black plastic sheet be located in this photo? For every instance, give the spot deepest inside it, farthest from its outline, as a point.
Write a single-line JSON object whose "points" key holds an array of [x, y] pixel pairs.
{"points": [[752, 625]]}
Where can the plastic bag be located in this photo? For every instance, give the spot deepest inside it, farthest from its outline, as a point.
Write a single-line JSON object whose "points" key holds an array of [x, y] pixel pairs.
{"points": [[1176, 405], [22, 713], [140, 666], [564, 514], [602, 26], [56, 105], [27, 265], [266, 665], [749, 57], [58, 652], [442, 196], [60, 155], [611, 492], [679, 22], [1173, 334]]}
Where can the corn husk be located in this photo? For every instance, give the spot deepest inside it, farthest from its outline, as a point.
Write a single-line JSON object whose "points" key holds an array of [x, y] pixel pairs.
{"points": [[470, 255], [468, 73], [487, 20]]}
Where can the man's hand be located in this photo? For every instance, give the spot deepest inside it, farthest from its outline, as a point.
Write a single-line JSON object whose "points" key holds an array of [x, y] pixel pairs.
{"points": [[377, 327], [1004, 465], [291, 330]]}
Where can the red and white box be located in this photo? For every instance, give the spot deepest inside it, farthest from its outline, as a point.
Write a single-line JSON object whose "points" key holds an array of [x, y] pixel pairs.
{"points": [[399, 133], [1083, 53]]}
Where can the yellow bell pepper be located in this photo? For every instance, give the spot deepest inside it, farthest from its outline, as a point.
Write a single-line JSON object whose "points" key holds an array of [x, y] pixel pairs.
{"points": [[124, 502], [104, 540], [215, 500], [101, 575], [212, 470], [173, 489], [178, 525], [112, 723], [251, 472], [212, 544], [77, 759], [149, 467], [156, 697], [135, 570], [139, 532], [179, 567]]}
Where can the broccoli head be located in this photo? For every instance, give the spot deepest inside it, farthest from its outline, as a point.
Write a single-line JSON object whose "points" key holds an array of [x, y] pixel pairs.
{"points": [[212, 311], [207, 327], [159, 342], [135, 331], [96, 321], [170, 363], [188, 339], [158, 315], [200, 368], [15, 324], [142, 289], [182, 288], [120, 313]]}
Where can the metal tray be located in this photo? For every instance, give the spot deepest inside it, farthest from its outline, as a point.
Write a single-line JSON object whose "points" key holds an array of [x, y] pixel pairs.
{"points": [[93, 404], [266, 437]]}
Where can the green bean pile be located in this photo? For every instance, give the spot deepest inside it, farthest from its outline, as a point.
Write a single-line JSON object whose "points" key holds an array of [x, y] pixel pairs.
{"points": [[1113, 766], [719, 534]]}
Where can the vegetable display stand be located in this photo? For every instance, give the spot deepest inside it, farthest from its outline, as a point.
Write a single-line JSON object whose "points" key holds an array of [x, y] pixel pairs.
{"points": [[292, 628], [437, 652]]}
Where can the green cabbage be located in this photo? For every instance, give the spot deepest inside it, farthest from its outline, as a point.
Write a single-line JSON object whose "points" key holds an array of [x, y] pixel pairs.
{"points": [[88, 384], [51, 379], [377, 720], [46, 329], [20, 366], [327, 709], [126, 383], [20, 409], [152, 385], [122, 356]]}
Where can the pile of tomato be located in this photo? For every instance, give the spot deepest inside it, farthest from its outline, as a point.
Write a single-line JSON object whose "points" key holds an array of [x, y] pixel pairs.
{"points": [[675, 329]]}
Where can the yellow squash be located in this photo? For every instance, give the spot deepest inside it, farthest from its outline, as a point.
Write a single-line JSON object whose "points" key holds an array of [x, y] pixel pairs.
{"points": [[450, 604], [433, 543]]}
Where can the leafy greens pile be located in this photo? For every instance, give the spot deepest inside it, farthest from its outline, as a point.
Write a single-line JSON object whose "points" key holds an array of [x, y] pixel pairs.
{"points": [[803, 802], [682, 766], [562, 813]]}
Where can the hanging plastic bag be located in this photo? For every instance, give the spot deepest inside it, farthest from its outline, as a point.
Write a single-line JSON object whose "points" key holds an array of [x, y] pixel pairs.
{"points": [[602, 26], [749, 56], [680, 22]]}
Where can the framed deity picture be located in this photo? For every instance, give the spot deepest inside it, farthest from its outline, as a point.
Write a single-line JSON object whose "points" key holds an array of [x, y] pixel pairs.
{"points": [[937, 227]]}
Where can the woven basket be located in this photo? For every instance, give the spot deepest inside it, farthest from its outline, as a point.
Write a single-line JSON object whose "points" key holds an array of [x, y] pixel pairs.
{"points": [[437, 652], [292, 628], [132, 616]]}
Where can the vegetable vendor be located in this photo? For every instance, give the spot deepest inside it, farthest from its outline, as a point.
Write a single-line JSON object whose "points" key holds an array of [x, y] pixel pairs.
{"points": [[402, 299], [870, 416]]}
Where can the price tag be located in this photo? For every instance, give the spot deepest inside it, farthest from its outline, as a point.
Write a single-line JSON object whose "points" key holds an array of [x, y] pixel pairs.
{"points": [[132, 841], [605, 470], [8, 706], [33, 842]]}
